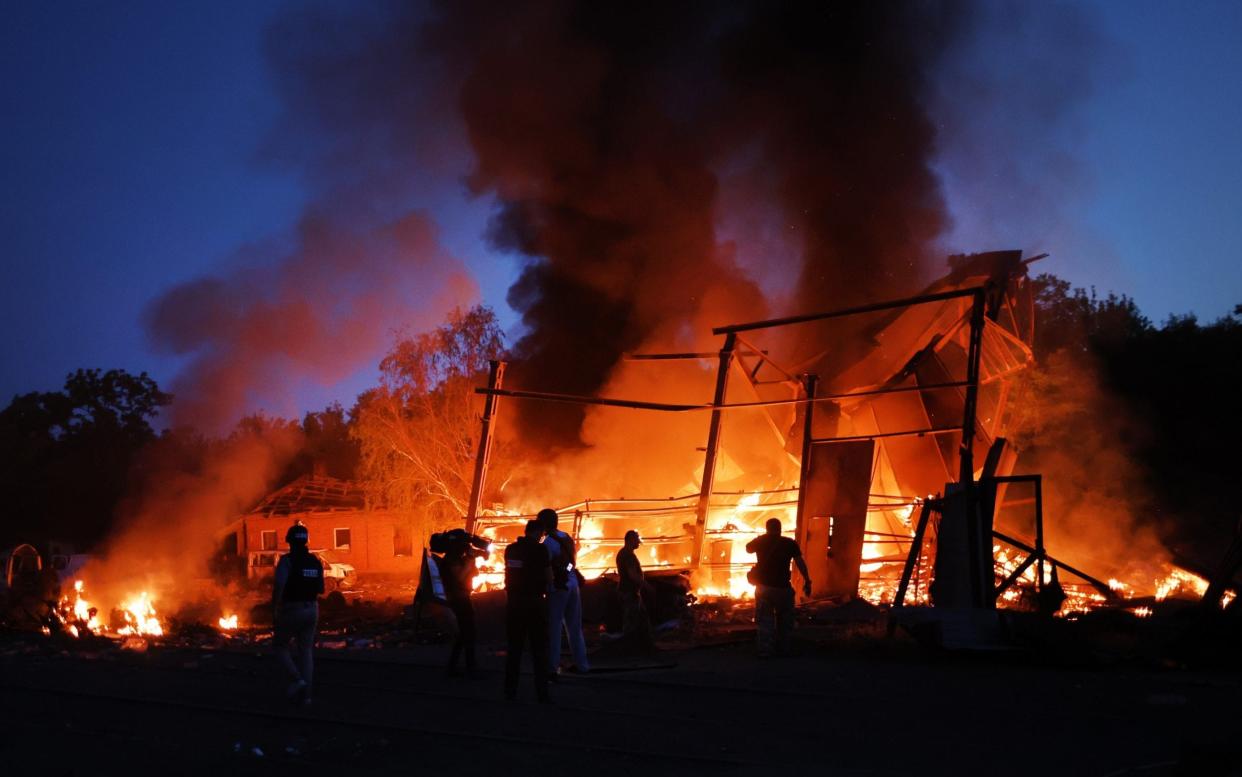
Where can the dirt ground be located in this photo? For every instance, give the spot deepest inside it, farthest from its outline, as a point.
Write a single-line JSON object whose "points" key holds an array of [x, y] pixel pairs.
{"points": [[869, 707]]}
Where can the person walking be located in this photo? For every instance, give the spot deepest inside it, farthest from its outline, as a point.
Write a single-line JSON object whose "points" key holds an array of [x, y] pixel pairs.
{"points": [[295, 602], [774, 594], [564, 596], [632, 584], [527, 577]]}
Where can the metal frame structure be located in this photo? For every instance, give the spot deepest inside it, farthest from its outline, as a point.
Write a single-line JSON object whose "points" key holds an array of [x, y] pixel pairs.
{"points": [[727, 358], [1037, 554], [496, 375]]}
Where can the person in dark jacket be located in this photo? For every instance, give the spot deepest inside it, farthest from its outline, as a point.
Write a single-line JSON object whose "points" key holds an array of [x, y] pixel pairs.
{"points": [[528, 574], [632, 585], [774, 594], [295, 601]]}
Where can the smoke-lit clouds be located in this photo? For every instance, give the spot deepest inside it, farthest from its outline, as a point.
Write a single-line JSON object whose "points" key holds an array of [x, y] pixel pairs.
{"points": [[357, 129], [319, 312]]}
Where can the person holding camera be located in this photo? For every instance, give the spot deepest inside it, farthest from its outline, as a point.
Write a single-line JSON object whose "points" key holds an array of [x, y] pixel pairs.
{"points": [[457, 569], [774, 594]]}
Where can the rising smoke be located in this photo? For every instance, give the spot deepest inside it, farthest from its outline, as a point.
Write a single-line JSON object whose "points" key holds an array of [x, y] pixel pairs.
{"points": [[604, 134], [634, 156], [319, 312], [600, 129], [617, 144]]}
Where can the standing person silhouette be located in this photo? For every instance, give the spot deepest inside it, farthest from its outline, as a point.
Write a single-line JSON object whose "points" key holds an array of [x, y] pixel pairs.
{"points": [[774, 594], [295, 601], [631, 585], [564, 596], [527, 576]]}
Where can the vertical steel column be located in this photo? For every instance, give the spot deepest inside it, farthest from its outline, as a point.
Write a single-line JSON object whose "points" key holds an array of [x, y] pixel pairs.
{"points": [[912, 563], [495, 377], [974, 351], [713, 444], [980, 570], [809, 384], [1039, 532]]}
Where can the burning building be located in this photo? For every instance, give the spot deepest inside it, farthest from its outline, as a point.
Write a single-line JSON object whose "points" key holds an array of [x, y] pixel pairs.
{"points": [[869, 416], [349, 532]]}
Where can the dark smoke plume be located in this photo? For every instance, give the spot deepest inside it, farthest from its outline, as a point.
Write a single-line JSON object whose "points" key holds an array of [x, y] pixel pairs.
{"points": [[617, 142], [600, 127]]}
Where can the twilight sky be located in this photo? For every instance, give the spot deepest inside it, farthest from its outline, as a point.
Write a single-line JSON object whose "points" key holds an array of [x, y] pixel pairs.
{"points": [[131, 135]]}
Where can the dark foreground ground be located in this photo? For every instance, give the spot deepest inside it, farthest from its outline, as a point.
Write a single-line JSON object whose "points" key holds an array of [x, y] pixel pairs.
{"points": [[883, 708]]}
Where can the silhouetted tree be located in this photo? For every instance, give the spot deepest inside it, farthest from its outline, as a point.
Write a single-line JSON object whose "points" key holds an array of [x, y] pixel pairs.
{"points": [[418, 428], [1164, 398], [65, 456]]}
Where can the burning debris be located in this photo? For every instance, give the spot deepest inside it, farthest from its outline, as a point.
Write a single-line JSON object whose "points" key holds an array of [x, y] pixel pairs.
{"points": [[134, 616]]}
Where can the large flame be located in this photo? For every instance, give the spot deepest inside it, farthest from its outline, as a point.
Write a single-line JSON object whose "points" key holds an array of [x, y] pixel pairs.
{"points": [[731, 526], [136, 613]]}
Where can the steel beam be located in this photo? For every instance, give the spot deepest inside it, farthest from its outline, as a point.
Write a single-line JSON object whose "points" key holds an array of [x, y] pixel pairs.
{"points": [[877, 307], [809, 383], [495, 377], [713, 445]]}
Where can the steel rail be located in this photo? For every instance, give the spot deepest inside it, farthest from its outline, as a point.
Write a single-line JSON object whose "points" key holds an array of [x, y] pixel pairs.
{"points": [[668, 407], [874, 308]]}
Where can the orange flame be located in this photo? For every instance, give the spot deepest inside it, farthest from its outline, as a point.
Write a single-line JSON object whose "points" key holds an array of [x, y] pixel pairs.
{"points": [[77, 614]]}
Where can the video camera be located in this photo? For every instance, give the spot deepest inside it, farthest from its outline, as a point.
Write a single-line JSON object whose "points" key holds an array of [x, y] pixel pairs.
{"points": [[459, 542]]}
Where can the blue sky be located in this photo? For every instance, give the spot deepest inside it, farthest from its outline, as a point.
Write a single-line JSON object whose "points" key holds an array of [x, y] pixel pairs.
{"points": [[1165, 158], [129, 149]]}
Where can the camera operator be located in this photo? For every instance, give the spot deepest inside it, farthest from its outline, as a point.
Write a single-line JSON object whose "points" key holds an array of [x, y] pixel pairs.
{"points": [[457, 570]]}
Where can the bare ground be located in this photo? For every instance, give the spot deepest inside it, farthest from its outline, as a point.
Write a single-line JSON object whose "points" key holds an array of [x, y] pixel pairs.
{"points": [[854, 707]]}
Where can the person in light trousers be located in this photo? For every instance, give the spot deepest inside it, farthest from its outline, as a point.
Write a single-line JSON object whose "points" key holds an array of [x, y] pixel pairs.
{"points": [[564, 596]]}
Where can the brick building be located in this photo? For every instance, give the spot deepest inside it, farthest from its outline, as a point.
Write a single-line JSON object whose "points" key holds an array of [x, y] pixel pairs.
{"points": [[342, 525]]}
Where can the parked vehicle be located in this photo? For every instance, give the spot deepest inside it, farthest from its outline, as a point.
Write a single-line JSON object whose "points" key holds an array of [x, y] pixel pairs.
{"points": [[22, 566], [261, 564]]}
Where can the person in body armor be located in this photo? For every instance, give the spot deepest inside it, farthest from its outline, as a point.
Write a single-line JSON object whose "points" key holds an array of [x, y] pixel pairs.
{"points": [[457, 569], [295, 599], [527, 577], [564, 596]]}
